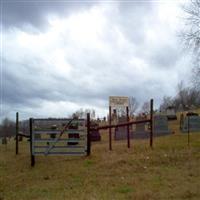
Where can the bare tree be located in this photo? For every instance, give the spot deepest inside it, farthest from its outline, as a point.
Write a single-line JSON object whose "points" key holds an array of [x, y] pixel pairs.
{"points": [[133, 105], [186, 98], [192, 28], [83, 113], [193, 97], [182, 95], [7, 128], [91, 111], [196, 74], [166, 102], [145, 107], [191, 36]]}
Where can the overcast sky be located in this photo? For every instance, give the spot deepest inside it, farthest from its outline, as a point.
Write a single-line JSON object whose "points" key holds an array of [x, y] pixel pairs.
{"points": [[60, 56]]}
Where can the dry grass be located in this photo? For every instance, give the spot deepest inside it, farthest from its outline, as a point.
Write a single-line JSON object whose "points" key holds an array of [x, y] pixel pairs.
{"points": [[170, 171]]}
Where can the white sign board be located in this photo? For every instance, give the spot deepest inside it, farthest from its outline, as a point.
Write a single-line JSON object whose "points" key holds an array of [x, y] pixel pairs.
{"points": [[118, 101]]}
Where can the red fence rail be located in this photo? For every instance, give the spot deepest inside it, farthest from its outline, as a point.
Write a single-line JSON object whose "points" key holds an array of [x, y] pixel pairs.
{"points": [[127, 124]]}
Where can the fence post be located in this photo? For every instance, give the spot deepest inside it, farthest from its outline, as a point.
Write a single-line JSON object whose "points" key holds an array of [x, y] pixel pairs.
{"points": [[128, 134], [88, 135], [188, 130], [151, 123], [16, 133], [31, 142], [110, 130]]}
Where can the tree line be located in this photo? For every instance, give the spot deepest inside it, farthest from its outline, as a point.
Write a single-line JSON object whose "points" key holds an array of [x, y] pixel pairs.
{"points": [[7, 128], [186, 98]]}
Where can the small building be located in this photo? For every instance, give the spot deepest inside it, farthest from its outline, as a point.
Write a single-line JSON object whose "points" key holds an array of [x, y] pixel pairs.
{"points": [[170, 113]]}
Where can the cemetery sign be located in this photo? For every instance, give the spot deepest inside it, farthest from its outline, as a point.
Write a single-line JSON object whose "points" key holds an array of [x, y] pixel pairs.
{"points": [[118, 101]]}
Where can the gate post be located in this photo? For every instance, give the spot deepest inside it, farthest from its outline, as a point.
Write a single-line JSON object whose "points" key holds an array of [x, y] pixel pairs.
{"points": [[151, 123], [16, 133], [88, 135], [110, 130], [31, 142], [188, 124], [128, 134]]}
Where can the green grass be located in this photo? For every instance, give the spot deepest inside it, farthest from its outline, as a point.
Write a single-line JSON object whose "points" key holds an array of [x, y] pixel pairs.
{"points": [[125, 189], [171, 170]]}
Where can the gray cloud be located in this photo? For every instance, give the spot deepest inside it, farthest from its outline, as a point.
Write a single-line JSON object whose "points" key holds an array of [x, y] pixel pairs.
{"points": [[110, 49], [132, 19], [18, 13], [165, 56]]}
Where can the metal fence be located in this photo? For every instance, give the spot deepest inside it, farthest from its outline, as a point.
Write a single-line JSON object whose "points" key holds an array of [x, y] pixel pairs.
{"points": [[54, 136]]}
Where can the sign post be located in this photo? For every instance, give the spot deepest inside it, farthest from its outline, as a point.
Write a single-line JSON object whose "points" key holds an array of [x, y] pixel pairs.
{"points": [[118, 102]]}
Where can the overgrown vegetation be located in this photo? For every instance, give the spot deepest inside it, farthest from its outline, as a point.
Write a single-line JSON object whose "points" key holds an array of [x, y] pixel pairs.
{"points": [[169, 171]]}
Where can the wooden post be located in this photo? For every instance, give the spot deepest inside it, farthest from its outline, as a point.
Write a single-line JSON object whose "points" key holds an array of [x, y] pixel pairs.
{"points": [[110, 130], [16, 133], [31, 142], [151, 123], [88, 135], [181, 121], [128, 134], [188, 130]]}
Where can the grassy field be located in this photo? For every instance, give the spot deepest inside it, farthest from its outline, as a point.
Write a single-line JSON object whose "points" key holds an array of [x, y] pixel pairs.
{"points": [[171, 170]]}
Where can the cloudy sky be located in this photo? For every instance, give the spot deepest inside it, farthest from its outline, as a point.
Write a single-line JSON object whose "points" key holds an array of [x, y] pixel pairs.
{"points": [[60, 56]]}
